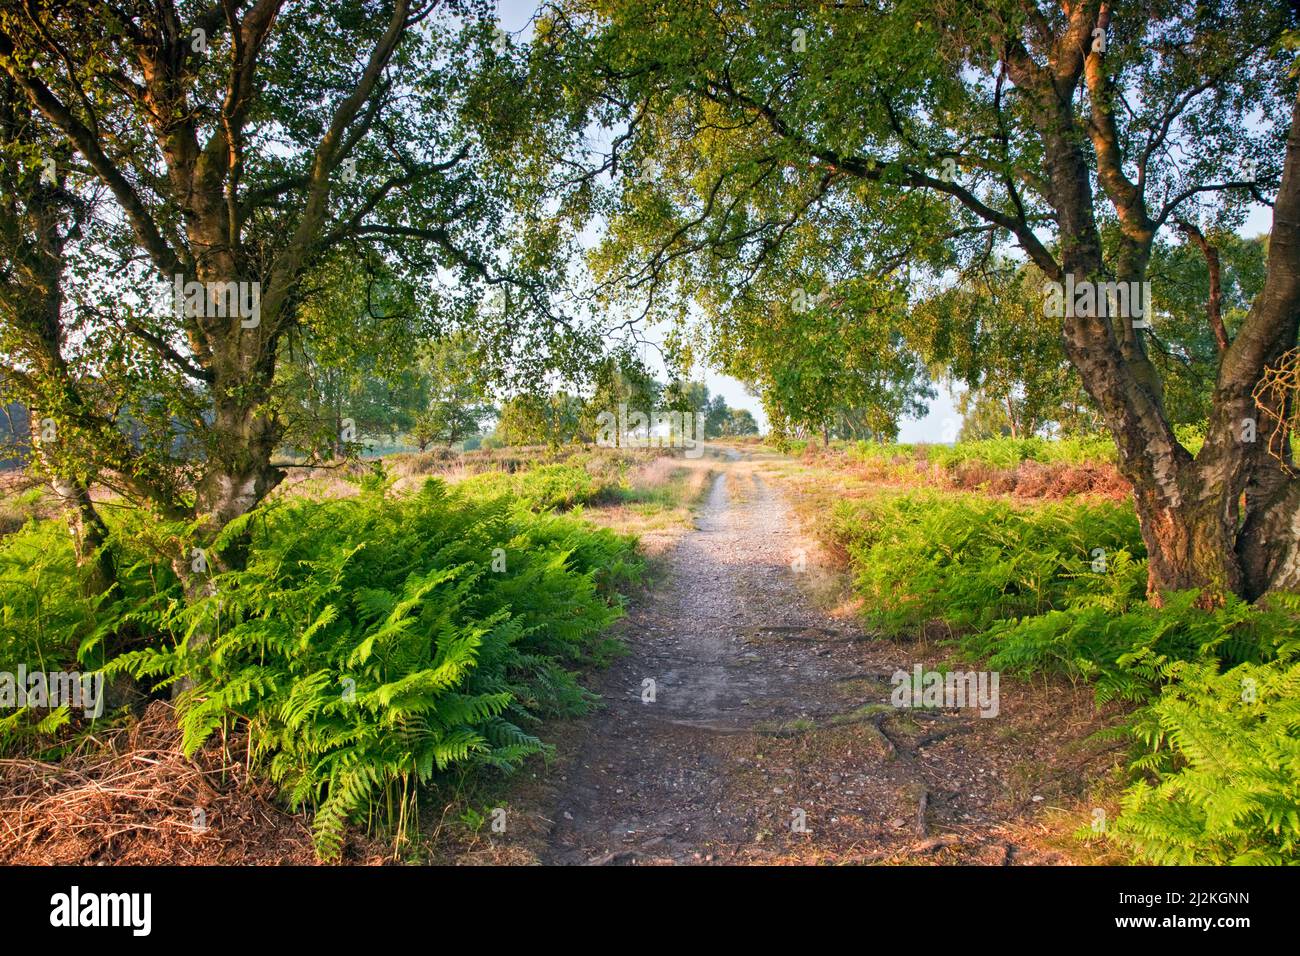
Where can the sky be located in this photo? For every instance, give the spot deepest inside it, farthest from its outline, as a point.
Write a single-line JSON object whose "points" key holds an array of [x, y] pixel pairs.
{"points": [[942, 421]]}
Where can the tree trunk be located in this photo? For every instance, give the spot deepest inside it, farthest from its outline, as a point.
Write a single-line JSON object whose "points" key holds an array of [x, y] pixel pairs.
{"points": [[89, 535], [1189, 510], [236, 480], [1190, 544], [232, 485], [1258, 467], [1269, 545]]}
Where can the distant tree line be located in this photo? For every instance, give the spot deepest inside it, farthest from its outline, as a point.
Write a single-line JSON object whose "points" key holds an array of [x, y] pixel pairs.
{"points": [[563, 417]]}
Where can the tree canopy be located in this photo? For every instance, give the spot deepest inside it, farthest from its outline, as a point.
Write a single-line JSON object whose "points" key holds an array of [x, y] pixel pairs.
{"points": [[854, 156]]}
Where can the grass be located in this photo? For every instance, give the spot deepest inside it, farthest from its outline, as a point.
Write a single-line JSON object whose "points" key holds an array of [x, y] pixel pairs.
{"points": [[656, 502]]}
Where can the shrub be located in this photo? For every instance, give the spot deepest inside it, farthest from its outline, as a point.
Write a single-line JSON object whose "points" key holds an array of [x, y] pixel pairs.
{"points": [[1027, 467], [1218, 758], [371, 643], [1010, 452], [560, 485], [49, 623], [1215, 731], [971, 561], [18, 508], [44, 618], [1221, 775], [1126, 646]]}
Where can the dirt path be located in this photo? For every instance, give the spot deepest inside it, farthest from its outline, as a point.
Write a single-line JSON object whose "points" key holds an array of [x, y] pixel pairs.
{"points": [[654, 774], [768, 734]]}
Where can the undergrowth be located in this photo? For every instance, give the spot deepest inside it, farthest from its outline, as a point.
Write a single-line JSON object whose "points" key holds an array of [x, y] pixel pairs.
{"points": [[1213, 696], [970, 561], [370, 644], [560, 486]]}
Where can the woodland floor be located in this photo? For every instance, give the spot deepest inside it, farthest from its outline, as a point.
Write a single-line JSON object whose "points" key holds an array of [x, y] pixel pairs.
{"points": [[771, 706]]}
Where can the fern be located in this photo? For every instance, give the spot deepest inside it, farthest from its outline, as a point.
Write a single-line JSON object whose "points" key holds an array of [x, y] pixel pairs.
{"points": [[1216, 777], [369, 645], [1222, 768], [971, 561]]}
